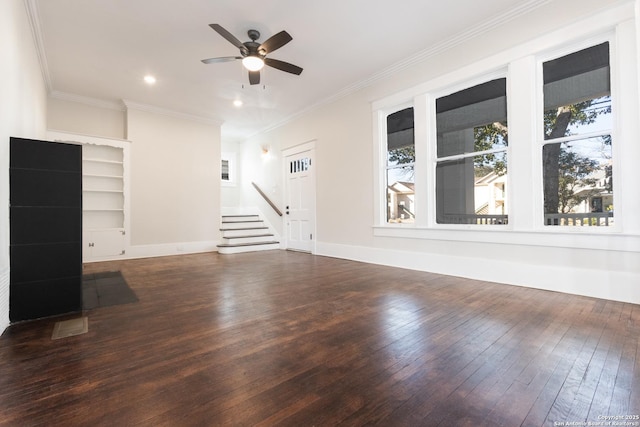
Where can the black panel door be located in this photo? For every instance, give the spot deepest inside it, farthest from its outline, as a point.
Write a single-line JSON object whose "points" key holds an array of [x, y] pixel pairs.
{"points": [[46, 228]]}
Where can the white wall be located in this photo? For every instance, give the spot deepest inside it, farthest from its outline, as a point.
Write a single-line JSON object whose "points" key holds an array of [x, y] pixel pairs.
{"points": [[230, 196], [174, 172], [175, 183], [22, 114], [83, 118], [607, 267], [265, 170]]}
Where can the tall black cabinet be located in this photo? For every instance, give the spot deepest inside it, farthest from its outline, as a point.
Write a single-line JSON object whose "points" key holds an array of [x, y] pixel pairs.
{"points": [[46, 228]]}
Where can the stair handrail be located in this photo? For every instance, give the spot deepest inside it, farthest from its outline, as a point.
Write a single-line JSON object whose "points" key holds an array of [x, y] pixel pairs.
{"points": [[267, 199]]}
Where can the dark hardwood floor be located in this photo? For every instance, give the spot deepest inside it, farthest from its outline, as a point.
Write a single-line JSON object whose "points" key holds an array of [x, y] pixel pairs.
{"points": [[285, 338]]}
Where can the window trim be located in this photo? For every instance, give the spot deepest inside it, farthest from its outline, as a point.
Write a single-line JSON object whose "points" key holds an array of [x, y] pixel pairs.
{"points": [[380, 151], [459, 85], [522, 60], [556, 52], [387, 168], [231, 159]]}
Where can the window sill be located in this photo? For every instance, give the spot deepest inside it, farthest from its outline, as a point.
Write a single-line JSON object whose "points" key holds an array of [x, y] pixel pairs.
{"points": [[554, 237]]}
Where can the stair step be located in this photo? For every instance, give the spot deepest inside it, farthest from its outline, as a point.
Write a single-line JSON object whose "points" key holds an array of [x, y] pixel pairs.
{"points": [[231, 245], [245, 233], [249, 235], [239, 232], [245, 228], [242, 224], [252, 247], [247, 238]]}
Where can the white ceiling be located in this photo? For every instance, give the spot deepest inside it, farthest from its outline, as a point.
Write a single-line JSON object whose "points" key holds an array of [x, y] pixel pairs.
{"points": [[100, 50]]}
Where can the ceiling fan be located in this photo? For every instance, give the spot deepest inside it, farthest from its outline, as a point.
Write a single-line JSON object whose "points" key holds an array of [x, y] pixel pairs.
{"points": [[254, 54]]}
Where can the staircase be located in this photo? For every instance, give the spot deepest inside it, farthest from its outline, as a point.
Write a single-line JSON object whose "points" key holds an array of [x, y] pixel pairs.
{"points": [[245, 233]]}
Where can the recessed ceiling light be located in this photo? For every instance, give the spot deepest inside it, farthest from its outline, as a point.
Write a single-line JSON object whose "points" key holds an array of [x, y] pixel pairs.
{"points": [[149, 79], [237, 103]]}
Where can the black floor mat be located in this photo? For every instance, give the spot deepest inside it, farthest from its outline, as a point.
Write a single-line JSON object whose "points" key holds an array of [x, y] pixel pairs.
{"points": [[105, 289]]}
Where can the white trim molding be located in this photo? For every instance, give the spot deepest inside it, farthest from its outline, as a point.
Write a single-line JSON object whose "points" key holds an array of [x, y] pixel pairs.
{"points": [[167, 249], [131, 105], [4, 298], [31, 7], [610, 284], [583, 238], [86, 100]]}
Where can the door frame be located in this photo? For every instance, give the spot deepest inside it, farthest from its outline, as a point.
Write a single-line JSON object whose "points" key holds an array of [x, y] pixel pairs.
{"points": [[309, 146]]}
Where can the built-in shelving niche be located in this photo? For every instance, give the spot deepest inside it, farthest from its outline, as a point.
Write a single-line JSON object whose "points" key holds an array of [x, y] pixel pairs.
{"points": [[103, 201], [104, 195]]}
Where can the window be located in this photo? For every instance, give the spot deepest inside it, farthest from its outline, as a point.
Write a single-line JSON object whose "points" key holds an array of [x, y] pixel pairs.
{"points": [[227, 169], [299, 165], [401, 157], [471, 170], [577, 146], [531, 150]]}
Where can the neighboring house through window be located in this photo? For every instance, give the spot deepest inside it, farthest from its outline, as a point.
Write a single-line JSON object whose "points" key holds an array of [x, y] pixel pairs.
{"points": [[400, 166], [577, 146], [472, 149]]}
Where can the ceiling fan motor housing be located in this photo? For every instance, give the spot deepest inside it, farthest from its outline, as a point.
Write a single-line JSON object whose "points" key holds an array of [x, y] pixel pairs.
{"points": [[253, 34], [252, 47]]}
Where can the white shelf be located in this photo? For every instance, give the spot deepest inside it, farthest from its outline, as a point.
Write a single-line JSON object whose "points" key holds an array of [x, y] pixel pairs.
{"points": [[102, 220], [112, 162], [92, 175], [103, 229], [97, 190], [102, 153], [103, 188]]}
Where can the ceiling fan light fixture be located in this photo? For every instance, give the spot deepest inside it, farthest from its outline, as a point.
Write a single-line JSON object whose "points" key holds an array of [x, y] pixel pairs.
{"points": [[253, 63], [254, 55]]}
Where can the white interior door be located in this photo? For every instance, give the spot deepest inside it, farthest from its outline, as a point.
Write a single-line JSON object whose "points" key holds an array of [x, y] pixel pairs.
{"points": [[300, 200]]}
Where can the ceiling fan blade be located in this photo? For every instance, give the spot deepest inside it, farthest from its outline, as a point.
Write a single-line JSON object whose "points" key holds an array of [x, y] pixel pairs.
{"points": [[283, 66], [275, 42], [254, 77], [220, 59], [227, 35]]}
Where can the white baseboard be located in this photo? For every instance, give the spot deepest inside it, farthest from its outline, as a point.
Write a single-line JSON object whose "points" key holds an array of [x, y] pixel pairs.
{"points": [[4, 299], [597, 283], [165, 249]]}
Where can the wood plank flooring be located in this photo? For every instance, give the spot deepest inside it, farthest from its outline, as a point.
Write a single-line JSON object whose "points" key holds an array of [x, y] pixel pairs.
{"points": [[285, 338]]}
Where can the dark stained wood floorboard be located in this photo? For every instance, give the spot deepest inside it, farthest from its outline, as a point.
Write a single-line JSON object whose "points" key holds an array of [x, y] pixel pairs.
{"points": [[284, 338]]}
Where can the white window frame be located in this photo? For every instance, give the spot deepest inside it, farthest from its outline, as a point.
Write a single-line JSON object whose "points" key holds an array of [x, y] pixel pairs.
{"points": [[526, 206], [558, 52], [231, 159], [433, 141], [381, 121]]}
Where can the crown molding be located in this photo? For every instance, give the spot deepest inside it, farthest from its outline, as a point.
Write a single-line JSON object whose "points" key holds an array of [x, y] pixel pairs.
{"points": [[126, 104], [86, 100], [33, 15], [419, 57], [171, 113]]}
